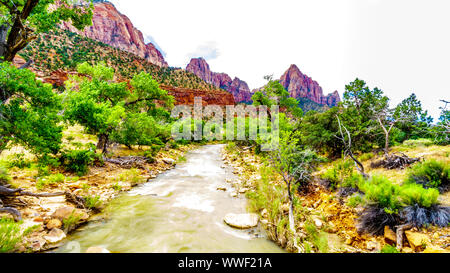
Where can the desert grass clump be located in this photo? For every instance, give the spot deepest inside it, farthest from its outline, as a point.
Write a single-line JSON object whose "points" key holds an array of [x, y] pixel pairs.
{"points": [[422, 207], [431, 174], [384, 204]]}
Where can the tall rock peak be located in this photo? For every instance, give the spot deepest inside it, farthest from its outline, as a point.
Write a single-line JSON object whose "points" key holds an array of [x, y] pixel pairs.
{"points": [[237, 87], [301, 86], [115, 29]]}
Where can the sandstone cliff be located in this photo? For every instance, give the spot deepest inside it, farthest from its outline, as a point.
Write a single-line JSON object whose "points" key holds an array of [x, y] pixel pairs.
{"points": [[115, 29], [302, 86], [237, 87]]}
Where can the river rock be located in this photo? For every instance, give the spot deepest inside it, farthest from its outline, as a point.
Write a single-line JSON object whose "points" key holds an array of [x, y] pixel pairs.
{"points": [[55, 235], [233, 194], [97, 249], [168, 161], [389, 235], [222, 188], [416, 240], [64, 213], [318, 223], [54, 223], [242, 221]]}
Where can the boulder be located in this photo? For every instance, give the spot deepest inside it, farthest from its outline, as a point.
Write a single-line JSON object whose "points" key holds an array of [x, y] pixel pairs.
{"points": [[97, 249], [242, 221], [169, 161], [389, 235], [64, 213], [54, 223], [417, 240], [55, 235]]}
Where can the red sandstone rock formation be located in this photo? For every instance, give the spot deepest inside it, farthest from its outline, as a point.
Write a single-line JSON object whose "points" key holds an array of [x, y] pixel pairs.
{"points": [[238, 88], [115, 29], [184, 96], [302, 86]]}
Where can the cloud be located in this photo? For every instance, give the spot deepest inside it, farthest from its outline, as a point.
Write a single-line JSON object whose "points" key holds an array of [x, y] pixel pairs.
{"points": [[150, 39], [208, 51]]}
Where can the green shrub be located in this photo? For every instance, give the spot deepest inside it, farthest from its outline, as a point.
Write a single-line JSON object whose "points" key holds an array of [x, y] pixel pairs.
{"points": [[4, 177], [355, 201], [11, 234], [430, 174], [413, 194], [93, 202], [367, 156], [78, 161], [336, 175], [389, 249], [19, 161], [51, 180], [380, 191], [423, 142]]}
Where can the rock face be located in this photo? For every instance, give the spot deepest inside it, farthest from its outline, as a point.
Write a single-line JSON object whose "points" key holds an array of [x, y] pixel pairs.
{"points": [[242, 221], [302, 86], [185, 96], [115, 29], [240, 90]]}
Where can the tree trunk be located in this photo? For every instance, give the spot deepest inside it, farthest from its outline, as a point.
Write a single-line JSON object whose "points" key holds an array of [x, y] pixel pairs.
{"points": [[3, 33], [103, 143]]}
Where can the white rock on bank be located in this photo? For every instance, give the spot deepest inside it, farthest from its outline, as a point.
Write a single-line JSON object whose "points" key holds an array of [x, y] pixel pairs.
{"points": [[242, 221]]}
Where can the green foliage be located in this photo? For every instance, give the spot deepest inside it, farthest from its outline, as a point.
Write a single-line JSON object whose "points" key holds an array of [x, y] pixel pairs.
{"points": [[71, 222], [4, 177], [19, 161], [389, 249], [317, 238], [51, 180], [384, 193], [112, 111], [93, 202], [430, 174], [355, 201], [339, 173], [78, 161], [412, 121], [413, 194], [38, 16], [30, 116], [11, 234], [422, 142], [275, 94]]}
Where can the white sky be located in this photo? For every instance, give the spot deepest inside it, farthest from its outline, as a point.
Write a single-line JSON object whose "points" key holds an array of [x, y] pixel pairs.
{"points": [[400, 46]]}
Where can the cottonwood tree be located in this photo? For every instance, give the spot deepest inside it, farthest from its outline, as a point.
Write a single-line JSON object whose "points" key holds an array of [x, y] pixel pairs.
{"points": [[22, 20], [28, 112], [107, 108]]}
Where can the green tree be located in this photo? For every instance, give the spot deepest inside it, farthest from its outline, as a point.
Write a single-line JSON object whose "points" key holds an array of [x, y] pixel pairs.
{"points": [[113, 111], [363, 108], [28, 112], [275, 94], [22, 20], [411, 119]]}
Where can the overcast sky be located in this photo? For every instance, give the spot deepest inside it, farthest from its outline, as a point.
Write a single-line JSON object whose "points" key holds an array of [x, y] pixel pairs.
{"points": [[400, 46]]}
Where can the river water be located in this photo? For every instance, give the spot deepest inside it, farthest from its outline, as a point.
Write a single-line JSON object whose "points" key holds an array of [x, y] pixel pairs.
{"points": [[181, 211]]}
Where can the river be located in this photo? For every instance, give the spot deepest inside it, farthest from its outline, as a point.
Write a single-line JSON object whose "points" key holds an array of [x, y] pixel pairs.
{"points": [[181, 211]]}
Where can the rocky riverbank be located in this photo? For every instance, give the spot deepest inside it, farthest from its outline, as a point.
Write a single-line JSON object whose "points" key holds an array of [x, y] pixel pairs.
{"points": [[53, 218], [324, 223]]}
